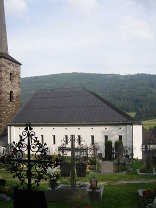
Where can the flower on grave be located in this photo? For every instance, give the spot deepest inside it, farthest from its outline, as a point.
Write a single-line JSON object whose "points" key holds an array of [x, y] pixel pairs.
{"points": [[145, 193], [6, 189], [149, 195], [53, 174]]}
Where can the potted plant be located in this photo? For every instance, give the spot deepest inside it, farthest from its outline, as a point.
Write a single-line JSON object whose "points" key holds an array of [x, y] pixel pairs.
{"points": [[53, 174]]}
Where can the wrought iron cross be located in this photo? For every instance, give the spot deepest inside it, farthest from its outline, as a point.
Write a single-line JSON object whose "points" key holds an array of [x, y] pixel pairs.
{"points": [[32, 169], [73, 150]]}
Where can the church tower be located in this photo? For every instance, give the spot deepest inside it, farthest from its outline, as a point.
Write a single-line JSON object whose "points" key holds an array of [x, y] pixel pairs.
{"points": [[10, 91]]}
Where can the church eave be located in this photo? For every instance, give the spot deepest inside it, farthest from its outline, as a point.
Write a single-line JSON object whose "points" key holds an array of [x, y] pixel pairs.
{"points": [[77, 124], [8, 57]]}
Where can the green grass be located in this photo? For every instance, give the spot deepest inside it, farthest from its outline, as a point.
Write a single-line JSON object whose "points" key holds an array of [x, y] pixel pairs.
{"points": [[115, 196], [149, 124], [146, 124], [110, 178], [132, 114]]}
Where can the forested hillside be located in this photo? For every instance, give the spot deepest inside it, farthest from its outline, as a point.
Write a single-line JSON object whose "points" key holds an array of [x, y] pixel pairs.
{"points": [[130, 93]]}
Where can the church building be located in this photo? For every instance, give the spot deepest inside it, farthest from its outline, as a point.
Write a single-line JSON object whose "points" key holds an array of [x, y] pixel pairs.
{"points": [[10, 90], [59, 113], [56, 114]]}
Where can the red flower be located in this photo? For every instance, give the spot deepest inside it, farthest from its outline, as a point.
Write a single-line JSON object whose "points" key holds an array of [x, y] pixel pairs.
{"points": [[145, 193]]}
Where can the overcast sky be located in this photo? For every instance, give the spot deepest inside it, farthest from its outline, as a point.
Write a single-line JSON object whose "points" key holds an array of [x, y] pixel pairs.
{"points": [[93, 36]]}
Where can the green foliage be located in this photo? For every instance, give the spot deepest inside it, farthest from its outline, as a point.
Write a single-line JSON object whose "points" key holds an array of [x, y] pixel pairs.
{"points": [[118, 147], [130, 93], [108, 149], [92, 161], [153, 130], [132, 114], [115, 196], [149, 124]]}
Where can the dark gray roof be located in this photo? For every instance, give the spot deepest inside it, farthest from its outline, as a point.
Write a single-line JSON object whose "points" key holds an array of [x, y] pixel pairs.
{"points": [[69, 106]]}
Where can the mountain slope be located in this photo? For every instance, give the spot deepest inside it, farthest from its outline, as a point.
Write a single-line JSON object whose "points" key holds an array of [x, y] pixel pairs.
{"points": [[130, 93]]}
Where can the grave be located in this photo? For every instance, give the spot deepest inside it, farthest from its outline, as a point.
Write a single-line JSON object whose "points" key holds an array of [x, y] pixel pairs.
{"points": [[65, 193], [23, 168], [106, 167], [72, 192]]}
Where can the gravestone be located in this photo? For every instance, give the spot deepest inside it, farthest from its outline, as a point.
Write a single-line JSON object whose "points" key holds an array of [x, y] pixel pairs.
{"points": [[106, 167], [65, 169], [81, 169], [29, 199]]}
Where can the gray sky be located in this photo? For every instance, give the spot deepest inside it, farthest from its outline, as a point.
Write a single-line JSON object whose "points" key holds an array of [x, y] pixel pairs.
{"points": [[93, 36]]}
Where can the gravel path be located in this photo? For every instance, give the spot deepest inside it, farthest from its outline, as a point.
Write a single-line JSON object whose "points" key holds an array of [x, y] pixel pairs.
{"points": [[125, 182], [133, 181]]}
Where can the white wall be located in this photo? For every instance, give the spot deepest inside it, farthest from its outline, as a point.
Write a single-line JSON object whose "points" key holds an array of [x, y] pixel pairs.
{"points": [[85, 132]]}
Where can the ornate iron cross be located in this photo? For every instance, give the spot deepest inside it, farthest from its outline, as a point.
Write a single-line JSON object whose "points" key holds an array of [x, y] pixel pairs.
{"points": [[80, 149], [28, 159]]}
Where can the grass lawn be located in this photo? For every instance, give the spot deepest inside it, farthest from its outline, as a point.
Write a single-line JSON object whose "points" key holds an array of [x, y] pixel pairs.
{"points": [[149, 124], [146, 124], [132, 114], [115, 196]]}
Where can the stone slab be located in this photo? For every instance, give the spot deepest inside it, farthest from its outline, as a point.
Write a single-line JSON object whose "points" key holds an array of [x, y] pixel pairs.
{"points": [[106, 167], [68, 194]]}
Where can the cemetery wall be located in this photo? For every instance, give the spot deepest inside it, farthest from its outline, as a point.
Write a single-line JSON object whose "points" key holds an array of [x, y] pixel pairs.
{"points": [[47, 133]]}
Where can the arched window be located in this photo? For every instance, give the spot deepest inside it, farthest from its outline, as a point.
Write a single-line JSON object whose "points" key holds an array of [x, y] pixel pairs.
{"points": [[11, 96]]}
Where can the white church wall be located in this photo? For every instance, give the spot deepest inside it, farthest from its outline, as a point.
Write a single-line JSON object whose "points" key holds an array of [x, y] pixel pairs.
{"points": [[99, 133], [137, 141]]}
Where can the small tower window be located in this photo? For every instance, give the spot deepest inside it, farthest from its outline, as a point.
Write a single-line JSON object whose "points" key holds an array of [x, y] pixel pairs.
{"points": [[11, 74], [11, 96]]}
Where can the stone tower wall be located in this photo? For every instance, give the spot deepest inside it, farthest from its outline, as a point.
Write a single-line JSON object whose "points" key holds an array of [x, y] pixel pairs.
{"points": [[9, 81]]}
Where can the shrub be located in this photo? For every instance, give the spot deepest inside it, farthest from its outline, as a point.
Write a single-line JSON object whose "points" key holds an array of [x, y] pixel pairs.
{"points": [[118, 148], [108, 149]]}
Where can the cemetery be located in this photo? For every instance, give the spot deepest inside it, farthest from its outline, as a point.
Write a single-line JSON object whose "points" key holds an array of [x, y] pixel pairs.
{"points": [[75, 173], [83, 179]]}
